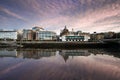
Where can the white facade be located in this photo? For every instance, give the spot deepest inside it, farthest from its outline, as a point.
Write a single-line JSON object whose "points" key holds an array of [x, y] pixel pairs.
{"points": [[63, 38], [45, 35], [8, 35], [75, 36], [86, 37]]}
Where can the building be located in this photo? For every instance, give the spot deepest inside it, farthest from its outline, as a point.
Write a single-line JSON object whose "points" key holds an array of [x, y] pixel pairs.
{"points": [[65, 31], [8, 35], [109, 35], [38, 33], [27, 34], [67, 35], [36, 28], [95, 37], [19, 35], [45, 35]]}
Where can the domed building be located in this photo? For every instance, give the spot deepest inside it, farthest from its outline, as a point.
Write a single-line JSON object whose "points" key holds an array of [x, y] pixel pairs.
{"points": [[36, 28], [65, 31], [67, 35]]}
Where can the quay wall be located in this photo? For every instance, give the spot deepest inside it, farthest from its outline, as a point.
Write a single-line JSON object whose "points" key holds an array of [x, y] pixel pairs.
{"points": [[55, 44]]}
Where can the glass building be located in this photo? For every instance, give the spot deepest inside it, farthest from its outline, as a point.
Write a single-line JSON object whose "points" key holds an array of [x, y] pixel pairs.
{"points": [[38, 33], [8, 35], [45, 35]]}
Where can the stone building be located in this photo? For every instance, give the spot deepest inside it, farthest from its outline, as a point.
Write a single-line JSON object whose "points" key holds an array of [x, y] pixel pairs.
{"points": [[67, 35]]}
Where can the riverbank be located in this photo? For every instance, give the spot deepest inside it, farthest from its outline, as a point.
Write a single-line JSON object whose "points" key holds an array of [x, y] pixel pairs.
{"points": [[55, 44]]}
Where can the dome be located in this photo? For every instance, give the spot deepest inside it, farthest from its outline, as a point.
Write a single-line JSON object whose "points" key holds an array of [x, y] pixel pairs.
{"points": [[65, 31], [37, 28]]}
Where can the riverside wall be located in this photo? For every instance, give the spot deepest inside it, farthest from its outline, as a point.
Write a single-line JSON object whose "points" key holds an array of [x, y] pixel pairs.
{"points": [[56, 44]]}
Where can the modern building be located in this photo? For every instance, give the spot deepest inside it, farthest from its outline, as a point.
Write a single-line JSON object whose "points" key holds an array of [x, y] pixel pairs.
{"points": [[36, 28], [27, 34], [38, 33], [67, 35], [8, 35], [45, 35]]}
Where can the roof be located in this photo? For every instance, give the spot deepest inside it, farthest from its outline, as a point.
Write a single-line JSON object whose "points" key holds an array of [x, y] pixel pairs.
{"points": [[38, 28]]}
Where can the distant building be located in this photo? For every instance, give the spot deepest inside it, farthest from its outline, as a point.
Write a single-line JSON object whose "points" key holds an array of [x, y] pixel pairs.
{"points": [[45, 35], [65, 31], [19, 35], [67, 35], [27, 34], [97, 36], [109, 35], [8, 35], [36, 28], [38, 33]]}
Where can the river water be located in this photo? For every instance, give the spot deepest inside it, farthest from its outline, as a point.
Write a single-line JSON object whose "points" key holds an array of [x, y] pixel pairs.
{"points": [[59, 64]]}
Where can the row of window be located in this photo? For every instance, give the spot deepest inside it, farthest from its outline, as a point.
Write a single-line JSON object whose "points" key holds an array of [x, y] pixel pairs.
{"points": [[74, 39]]}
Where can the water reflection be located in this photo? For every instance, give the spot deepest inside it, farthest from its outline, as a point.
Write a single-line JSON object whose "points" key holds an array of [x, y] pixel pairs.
{"points": [[8, 53], [59, 64], [36, 53], [109, 51], [66, 54], [39, 53]]}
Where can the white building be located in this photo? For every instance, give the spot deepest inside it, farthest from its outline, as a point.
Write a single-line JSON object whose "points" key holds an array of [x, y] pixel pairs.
{"points": [[67, 35], [45, 35], [4, 34]]}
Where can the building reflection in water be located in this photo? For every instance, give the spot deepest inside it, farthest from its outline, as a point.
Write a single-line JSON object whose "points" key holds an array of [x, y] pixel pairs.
{"points": [[66, 54], [77, 67], [36, 53], [39, 53], [109, 51], [8, 52]]}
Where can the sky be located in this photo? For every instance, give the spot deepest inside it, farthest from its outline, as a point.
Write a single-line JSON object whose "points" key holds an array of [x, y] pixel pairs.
{"points": [[85, 15]]}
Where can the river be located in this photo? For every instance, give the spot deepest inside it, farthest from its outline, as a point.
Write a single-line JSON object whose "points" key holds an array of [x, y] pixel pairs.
{"points": [[59, 64]]}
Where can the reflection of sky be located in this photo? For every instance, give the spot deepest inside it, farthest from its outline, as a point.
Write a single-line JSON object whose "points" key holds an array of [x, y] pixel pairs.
{"points": [[86, 15], [55, 68]]}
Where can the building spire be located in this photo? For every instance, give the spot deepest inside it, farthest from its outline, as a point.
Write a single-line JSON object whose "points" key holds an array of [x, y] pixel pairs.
{"points": [[72, 30], [65, 27]]}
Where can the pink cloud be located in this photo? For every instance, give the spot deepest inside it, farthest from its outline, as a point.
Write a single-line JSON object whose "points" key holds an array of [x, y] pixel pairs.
{"points": [[11, 13]]}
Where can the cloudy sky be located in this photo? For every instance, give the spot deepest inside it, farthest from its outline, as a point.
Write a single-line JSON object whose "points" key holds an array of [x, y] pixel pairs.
{"points": [[85, 15]]}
